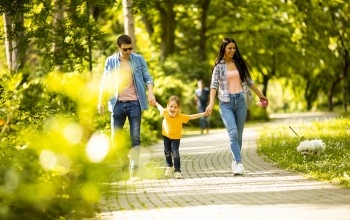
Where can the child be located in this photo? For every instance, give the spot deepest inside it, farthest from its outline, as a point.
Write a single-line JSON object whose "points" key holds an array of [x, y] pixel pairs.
{"points": [[171, 131]]}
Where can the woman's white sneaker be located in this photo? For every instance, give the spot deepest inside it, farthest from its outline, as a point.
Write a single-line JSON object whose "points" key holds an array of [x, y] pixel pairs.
{"points": [[239, 170]]}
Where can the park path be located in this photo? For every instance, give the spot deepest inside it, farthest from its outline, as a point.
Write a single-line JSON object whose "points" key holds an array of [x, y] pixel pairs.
{"points": [[210, 191]]}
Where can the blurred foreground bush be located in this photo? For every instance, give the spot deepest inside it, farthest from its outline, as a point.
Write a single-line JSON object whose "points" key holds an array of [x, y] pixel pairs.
{"points": [[55, 154]]}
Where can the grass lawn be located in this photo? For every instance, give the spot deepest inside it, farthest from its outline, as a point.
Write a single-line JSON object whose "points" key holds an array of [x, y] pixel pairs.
{"points": [[277, 143]]}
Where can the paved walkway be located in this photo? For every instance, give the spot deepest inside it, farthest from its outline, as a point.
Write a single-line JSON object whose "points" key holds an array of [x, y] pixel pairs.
{"points": [[210, 191]]}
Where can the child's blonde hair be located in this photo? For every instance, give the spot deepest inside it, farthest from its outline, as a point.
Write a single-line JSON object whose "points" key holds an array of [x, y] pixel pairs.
{"points": [[176, 99]]}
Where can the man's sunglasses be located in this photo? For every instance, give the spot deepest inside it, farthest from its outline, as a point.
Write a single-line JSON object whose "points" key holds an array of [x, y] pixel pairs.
{"points": [[125, 49]]}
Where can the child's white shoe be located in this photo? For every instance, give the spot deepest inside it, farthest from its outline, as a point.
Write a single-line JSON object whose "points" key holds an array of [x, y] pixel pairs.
{"points": [[178, 175], [169, 172]]}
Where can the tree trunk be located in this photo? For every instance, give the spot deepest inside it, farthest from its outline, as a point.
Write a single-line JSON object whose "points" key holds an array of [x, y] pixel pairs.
{"points": [[168, 25], [346, 62], [308, 94], [14, 40], [203, 31], [58, 38], [89, 30], [9, 43], [265, 83], [345, 97], [129, 23], [267, 77], [148, 24], [345, 74], [331, 93]]}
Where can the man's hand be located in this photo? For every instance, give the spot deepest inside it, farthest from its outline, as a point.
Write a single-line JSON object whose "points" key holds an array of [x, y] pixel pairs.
{"points": [[101, 108], [151, 99]]}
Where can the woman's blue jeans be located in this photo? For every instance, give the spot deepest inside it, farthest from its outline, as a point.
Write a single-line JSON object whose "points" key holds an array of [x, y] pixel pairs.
{"points": [[132, 111], [233, 114]]}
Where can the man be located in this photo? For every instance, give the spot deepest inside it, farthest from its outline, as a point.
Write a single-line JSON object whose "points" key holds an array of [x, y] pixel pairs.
{"points": [[124, 78], [202, 98]]}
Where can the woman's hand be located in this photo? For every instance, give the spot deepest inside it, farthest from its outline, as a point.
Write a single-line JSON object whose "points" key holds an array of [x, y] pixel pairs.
{"points": [[209, 109], [263, 99]]}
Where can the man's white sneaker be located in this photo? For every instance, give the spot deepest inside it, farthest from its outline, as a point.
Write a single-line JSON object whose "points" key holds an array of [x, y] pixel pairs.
{"points": [[169, 172], [239, 169], [134, 178], [178, 175], [233, 166]]}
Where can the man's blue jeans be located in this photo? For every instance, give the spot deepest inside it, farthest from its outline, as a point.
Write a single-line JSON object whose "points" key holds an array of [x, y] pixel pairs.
{"points": [[233, 115], [132, 111], [171, 151]]}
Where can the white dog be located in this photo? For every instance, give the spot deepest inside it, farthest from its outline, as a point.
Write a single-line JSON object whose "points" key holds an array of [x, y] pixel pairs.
{"points": [[313, 147]]}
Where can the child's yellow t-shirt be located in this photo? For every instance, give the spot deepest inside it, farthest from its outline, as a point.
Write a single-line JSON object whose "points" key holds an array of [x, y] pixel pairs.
{"points": [[172, 127]]}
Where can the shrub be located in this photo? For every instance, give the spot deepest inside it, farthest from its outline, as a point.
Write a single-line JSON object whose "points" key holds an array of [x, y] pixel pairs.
{"points": [[51, 165]]}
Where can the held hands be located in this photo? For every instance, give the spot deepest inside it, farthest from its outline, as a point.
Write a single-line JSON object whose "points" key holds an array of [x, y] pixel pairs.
{"points": [[151, 99], [209, 109]]}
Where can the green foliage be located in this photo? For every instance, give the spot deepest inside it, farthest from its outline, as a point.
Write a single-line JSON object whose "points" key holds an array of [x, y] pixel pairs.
{"points": [[296, 48], [279, 144], [53, 157], [11, 6]]}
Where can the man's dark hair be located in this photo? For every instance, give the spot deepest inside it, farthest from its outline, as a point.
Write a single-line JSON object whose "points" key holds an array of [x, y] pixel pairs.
{"points": [[124, 39]]}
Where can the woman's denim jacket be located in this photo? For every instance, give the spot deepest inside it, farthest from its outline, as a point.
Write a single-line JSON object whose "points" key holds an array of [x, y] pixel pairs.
{"points": [[140, 73], [219, 81]]}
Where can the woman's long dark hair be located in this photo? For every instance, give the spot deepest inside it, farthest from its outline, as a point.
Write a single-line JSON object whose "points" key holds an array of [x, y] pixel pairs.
{"points": [[242, 65]]}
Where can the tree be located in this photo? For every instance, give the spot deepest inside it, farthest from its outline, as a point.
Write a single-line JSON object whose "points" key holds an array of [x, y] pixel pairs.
{"points": [[57, 44], [340, 19], [168, 26], [129, 25], [15, 39], [326, 23], [204, 5], [160, 15]]}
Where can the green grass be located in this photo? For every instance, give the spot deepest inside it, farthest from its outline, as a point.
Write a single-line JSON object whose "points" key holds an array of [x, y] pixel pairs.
{"points": [[277, 143]]}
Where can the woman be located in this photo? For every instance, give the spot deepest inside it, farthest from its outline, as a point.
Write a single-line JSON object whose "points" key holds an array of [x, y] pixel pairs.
{"points": [[231, 78]]}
